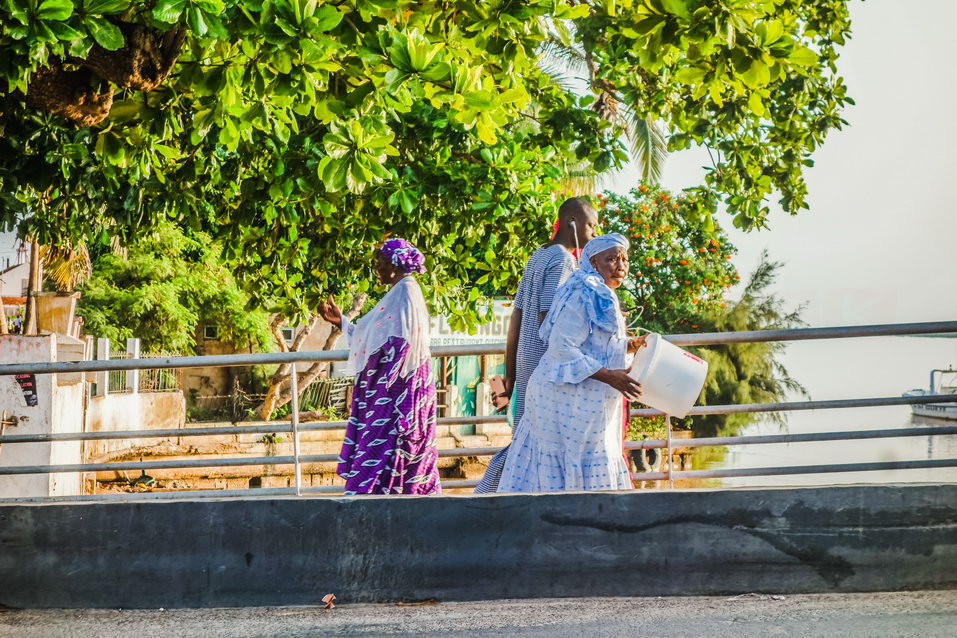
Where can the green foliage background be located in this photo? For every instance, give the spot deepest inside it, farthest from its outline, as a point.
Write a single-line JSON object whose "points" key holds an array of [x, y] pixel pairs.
{"points": [[297, 134], [165, 285]]}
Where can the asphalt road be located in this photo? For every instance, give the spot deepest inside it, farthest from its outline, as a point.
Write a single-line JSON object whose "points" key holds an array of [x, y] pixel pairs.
{"points": [[923, 614]]}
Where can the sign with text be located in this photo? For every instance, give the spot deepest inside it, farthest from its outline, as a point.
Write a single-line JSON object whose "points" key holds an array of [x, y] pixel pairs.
{"points": [[495, 331], [28, 384]]}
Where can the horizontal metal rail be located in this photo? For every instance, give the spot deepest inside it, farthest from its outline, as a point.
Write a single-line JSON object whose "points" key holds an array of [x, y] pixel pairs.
{"points": [[234, 430], [278, 427], [804, 334], [225, 360], [283, 427], [464, 484], [877, 466], [481, 451], [793, 406], [168, 464], [233, 461], [808, 437], [267, 358]]}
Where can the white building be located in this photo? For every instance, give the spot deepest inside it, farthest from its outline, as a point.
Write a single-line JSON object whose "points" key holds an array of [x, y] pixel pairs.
{"points": [[14, 280]]}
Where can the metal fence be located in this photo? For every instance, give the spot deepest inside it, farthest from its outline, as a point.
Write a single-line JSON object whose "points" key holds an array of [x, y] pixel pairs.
{"points": [[116, 379], [326, 394], [160, 380], [295, 428], [150, 380]]}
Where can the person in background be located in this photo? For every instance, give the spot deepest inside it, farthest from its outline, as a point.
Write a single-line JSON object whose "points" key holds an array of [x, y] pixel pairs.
{"points": [[569, 437], [546, 270], [389, 444]]}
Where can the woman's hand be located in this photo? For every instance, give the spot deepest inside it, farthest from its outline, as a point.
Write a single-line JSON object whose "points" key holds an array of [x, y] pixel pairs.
{"points": [[621, 381], [329, 311], [635, 344]]}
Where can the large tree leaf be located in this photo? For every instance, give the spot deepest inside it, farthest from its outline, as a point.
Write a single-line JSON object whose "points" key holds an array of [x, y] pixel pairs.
{"points": [[106, 34], [101, 7], [168, 10], [55, 10]]}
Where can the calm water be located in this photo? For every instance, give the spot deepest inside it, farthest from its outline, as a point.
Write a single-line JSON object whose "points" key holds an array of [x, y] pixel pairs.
{"points": [[846, 369]]}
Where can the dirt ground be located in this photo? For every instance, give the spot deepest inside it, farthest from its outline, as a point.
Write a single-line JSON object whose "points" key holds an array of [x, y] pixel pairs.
{"points": [[920, 614]]}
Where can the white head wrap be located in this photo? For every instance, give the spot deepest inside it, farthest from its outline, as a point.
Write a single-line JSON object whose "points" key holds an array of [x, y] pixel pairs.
{"points": [[601, 304]]}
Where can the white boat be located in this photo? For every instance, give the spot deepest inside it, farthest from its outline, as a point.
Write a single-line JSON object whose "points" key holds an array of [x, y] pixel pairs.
{"points": [[941, 382]]}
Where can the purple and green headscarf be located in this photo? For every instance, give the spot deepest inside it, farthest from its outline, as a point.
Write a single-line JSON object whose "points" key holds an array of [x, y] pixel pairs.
{"points": [[403, 255]]}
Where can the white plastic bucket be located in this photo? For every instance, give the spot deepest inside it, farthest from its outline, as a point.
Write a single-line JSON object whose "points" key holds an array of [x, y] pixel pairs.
{"points": [[671, 378]]}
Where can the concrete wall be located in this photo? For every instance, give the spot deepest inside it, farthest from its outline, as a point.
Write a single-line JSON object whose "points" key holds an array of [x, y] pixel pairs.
{"points": [[293, 551], [59, 408], [140, 411], [66, 416], [55, 312], [209, 381]]}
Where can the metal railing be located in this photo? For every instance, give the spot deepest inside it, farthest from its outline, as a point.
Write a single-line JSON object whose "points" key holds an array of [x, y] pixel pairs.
{"points": [[295, 428]]}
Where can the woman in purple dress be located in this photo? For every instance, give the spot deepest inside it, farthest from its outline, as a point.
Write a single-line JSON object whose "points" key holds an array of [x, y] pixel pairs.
{"points": [[389, 445]]}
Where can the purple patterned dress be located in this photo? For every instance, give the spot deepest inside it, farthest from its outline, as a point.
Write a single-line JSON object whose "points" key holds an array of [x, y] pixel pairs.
{"points": [[389, 445]]}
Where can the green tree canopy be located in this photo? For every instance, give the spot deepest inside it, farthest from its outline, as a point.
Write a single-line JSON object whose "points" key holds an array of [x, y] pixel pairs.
{"points": [[300, 133], [161, 287], [754, 82]]}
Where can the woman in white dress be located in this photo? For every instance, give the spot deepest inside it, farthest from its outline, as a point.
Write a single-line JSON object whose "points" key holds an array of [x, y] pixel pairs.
{"points": [[571, 432]]}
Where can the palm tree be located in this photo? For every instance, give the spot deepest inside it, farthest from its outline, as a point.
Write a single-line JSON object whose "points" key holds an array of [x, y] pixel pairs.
{"points": [[566, 62], [66, 266]]}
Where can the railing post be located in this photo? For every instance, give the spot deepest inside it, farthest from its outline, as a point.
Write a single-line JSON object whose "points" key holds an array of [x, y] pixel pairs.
{"points": [[133, 376], [294, 388], [671, 482], [102, 378]]}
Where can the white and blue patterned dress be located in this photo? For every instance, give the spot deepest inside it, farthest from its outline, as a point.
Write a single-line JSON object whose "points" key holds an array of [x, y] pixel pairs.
{"points": [[546, 270], [570, 436]]}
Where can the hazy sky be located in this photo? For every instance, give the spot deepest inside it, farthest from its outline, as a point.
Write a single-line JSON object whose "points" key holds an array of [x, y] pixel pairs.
{"points": [[878, 244]]}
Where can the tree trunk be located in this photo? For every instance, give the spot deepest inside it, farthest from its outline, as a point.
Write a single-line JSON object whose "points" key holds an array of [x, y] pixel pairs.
{"points": [[70, 94], [85, 96], [33, 286], [275, 382], [144, 61], [278, 397], [279, 392]]}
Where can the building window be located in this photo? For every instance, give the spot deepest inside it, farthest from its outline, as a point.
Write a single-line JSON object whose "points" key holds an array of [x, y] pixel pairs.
{"points": [[288, 334], [211, 333]]}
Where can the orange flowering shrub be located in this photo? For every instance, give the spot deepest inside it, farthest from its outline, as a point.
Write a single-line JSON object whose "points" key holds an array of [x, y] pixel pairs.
{"points": [[680, 259]]}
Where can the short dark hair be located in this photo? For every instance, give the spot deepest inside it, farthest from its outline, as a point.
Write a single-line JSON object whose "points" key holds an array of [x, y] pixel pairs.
{"points": [[573, 206]]}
